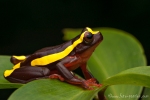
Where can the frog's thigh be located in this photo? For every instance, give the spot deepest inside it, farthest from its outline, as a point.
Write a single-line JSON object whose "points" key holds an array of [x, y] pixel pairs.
{"points": [[26, 74]]}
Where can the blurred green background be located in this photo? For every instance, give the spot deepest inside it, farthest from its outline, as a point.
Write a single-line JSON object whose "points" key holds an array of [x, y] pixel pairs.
{"points": [[28, 25]]}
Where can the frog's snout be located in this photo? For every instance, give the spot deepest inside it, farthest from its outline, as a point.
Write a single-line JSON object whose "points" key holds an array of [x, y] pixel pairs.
{"points": [[98, 36]]}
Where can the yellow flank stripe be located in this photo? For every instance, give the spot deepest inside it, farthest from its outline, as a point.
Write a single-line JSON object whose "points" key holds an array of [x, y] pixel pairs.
{"points": [[45, 60], [49, 58], [8, 72], [56, 56], [20, 57]]}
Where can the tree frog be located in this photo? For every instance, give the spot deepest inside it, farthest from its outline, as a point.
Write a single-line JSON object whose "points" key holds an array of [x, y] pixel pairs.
{"points": [[58, 61]]}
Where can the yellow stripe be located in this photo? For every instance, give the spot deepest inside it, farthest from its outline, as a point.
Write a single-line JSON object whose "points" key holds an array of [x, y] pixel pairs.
{"points": [[20, 57], [49, 58], [45, 60], [57, 56], [90, 30], [8, 72]]}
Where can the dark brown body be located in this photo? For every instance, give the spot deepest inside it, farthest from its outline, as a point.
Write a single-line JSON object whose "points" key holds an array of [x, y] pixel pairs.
{"points": [[60, 69]]}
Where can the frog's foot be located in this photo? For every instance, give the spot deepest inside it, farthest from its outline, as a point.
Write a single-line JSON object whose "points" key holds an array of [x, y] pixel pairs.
{"points": [[56, 76], [90, 83]]}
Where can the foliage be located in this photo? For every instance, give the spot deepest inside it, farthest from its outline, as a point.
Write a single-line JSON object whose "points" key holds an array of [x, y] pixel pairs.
{"points": [[118, 60]]}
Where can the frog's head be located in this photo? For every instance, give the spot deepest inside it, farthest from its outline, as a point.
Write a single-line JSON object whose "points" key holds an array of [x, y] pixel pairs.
{"points": [[91, 37], [90, 40]]}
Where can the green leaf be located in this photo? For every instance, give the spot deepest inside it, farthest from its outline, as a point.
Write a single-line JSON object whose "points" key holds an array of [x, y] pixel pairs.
{"points": [[146, 94], [136, 76], [4, 65], [139, 76], [47, 89], [118, 51], [53, 89], [10, 85]]}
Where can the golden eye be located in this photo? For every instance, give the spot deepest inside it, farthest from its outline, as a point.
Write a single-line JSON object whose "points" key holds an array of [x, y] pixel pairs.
{"points": [[88, 37]]}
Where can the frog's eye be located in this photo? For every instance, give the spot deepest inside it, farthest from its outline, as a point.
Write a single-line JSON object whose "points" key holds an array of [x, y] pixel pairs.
{"points": [[88, 37]]}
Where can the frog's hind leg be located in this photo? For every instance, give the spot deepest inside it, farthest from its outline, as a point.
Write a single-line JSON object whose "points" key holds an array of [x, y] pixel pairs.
{"points": [[27, 74]]}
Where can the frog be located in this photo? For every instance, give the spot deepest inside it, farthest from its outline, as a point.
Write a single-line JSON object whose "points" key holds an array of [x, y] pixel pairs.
{"points": [[58, 62]]}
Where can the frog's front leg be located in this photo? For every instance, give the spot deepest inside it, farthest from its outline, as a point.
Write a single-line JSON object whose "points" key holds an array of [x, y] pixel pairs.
{"points": [[89, 76], [68, 76], [28, 73], [86, 73]]}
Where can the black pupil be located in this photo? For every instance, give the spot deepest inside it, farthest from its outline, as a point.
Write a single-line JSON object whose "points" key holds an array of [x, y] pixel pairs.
{"points": [[89, 35]]}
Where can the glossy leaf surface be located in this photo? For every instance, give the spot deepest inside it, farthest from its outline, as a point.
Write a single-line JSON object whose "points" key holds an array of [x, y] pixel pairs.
{"points": [[45, 89], [53, 89]]}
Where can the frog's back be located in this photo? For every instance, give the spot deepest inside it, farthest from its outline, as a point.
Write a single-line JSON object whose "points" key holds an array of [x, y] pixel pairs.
{"points": [[46, 54], [52, 50]]}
